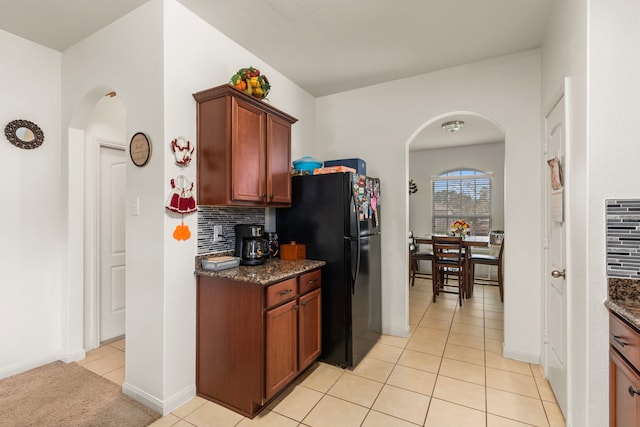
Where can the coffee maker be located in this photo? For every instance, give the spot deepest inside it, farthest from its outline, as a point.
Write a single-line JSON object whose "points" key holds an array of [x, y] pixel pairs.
{"points": [[251, 246]]}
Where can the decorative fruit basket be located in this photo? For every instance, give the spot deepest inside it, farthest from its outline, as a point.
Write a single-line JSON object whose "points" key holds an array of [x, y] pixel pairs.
{"points": [[250, 81]]}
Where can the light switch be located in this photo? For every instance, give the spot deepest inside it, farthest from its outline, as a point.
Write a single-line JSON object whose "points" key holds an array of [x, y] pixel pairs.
{"points": [[135, 206]]}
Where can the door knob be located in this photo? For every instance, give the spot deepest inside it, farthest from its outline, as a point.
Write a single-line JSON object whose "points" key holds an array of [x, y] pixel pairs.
{"points": [[556, 274]]}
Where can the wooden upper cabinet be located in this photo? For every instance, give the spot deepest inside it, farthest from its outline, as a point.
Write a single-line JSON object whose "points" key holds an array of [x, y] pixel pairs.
{"points": [[278, 160], [244, 150], [248, 148]]}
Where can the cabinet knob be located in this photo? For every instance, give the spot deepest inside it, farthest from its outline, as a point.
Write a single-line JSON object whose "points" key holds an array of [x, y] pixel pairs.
{"points": [[283, 293], [304, 303], [632, 391], [271, 196], [263, 195]]}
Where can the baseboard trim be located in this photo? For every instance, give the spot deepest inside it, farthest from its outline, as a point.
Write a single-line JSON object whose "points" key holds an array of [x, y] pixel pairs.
{"points": [[520, 355], [163, 407], [21, 367], [143, 397], [398, 332], [73, 357], [179, 399]]}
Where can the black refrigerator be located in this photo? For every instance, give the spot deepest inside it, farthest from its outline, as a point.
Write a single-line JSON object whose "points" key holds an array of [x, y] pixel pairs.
{"points": [[337, 217]]}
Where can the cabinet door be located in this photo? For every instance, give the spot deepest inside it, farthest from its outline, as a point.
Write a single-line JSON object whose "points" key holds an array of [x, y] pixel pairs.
{"points": [[624, 405], [248, 152], [278, 161], [310, 335], [281, 347]]}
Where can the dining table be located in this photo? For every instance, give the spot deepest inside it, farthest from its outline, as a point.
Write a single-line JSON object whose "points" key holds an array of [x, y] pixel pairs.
{"points": [[468, 242]]}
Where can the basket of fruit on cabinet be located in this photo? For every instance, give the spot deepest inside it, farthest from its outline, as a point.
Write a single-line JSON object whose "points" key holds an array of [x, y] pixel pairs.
{"points": [[250, 81]]}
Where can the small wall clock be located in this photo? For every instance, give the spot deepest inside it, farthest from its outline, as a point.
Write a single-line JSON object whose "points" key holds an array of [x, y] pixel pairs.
{"points": [[140, 149]]}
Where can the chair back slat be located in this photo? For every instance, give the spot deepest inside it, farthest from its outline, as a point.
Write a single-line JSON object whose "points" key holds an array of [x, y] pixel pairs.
{"points": [[448, 250]]}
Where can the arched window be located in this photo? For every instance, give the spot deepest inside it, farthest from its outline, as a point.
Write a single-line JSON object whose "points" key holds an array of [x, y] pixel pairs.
{"points": [[462, 194]]}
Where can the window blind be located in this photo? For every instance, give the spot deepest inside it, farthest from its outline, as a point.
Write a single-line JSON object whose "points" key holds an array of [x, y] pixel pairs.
{"points": [[462, 194]]}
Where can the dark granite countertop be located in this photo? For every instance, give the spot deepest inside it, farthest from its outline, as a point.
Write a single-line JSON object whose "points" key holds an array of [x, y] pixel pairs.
{"points": [[630, 313], [624, 299], [272, 271]]}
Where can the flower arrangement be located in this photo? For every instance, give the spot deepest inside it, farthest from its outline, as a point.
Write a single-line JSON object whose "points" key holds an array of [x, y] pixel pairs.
{"points": [[460, 227]]}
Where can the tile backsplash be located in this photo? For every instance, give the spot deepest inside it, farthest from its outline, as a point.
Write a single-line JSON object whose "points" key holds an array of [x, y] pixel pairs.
{"points": [[227, 217], [623, 238]]}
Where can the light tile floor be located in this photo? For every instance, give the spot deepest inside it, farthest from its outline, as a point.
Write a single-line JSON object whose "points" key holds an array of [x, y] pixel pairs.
{"points": [[449, 372], [107, 361]]}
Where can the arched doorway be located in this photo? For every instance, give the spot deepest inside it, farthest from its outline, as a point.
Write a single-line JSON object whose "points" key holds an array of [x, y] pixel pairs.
{"points": [[478, 145], [98, 132]]}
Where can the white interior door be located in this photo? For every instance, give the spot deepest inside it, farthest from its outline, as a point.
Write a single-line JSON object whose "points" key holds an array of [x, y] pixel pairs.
{"points": [[112, 242], [555, 348]]}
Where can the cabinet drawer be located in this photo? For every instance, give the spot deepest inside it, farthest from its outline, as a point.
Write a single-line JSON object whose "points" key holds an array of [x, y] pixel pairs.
{"points": [[281, 292], [309, 281], [625, 339]]}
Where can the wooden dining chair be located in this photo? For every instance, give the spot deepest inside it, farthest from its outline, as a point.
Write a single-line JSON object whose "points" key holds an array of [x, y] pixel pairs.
{"points": [[415, 256], [487, 260], [448, 260]]}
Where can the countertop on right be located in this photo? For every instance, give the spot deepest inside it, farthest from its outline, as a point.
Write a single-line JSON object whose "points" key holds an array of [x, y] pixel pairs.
{"points": [[624, 299]]}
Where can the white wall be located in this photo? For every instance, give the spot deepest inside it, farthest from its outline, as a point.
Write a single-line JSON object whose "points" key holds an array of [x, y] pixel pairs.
{"points": [[564, 56], [377, 123], [612, 162], [155, 72], [30, 256], [197, 57], [124, 58], [425, 164]]}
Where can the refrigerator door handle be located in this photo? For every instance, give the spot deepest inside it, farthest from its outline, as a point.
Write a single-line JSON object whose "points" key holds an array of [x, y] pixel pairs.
{"points": [[355, 220], [355, 279]]}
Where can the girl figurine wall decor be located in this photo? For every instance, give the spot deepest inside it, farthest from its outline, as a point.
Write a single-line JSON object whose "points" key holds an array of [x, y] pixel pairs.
{"points": [[181, 201]]}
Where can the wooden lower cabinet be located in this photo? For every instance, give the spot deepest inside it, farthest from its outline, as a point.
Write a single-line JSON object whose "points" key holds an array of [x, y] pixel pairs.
{"points": [[281, 347], [309, 335], [624, 388], [254, 340], [624, 378]]}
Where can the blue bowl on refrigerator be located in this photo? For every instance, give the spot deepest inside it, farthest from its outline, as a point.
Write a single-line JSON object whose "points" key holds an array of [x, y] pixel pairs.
{"points": [[307, 163]]}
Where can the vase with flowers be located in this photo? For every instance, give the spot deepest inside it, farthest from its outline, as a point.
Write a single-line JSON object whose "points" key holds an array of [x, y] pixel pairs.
{"points": [[460, 228]]}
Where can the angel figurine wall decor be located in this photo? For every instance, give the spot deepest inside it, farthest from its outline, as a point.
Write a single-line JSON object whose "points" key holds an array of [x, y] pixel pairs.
{"points": [[182, 150]]}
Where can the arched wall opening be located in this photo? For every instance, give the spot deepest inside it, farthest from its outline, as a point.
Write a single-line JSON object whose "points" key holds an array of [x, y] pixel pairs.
{"points": [[98, 120], [431, 150], [478, 145]]}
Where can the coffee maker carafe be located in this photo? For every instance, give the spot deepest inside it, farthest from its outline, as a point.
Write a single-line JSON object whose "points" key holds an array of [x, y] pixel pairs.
{"points": [[251, 246]]}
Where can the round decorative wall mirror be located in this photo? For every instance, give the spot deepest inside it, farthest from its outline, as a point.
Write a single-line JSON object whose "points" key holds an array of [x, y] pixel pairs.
{"points": [[24, 134]]}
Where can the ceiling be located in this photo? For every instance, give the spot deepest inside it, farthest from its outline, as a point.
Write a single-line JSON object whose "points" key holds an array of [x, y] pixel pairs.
{"points": [[476, 130], [325, 46]]}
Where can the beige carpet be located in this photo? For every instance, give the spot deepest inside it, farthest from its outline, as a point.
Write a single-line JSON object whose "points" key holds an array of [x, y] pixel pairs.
{"points": [[62, 394]]}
